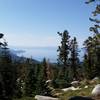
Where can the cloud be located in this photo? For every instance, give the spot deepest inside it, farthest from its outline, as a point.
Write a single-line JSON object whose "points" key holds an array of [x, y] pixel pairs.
{"points": [[18, 51]]}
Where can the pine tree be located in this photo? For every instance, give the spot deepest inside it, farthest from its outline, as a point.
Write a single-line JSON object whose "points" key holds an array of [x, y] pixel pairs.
{"points": [[63, 50], [21, 77], [96, 36], [90, 57], [74, 60], [1, 36], [30, 81], [7, 72], [96, 55], [43, 74]]}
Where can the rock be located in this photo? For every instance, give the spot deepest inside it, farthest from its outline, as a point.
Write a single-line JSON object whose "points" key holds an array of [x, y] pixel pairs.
{"points": [[80, 98], [96, 90], [57, 94], [71, 88], [39, 97], [96, 78], [48, 81], [86, 87], [75, 83]]}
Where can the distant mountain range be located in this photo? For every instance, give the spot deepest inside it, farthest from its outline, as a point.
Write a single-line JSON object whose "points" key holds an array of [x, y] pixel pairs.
{"points": [[17, 58]]}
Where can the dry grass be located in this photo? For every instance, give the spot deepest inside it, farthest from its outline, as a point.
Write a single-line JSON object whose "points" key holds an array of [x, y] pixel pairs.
{"points": [[83, 91]]}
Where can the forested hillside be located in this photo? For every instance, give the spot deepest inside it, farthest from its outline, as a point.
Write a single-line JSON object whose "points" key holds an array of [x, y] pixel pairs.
{"points": [[22, 77]]}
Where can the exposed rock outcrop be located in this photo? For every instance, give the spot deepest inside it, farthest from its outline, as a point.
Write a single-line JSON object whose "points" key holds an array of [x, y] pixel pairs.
{"points": [[96, 90], [39, 97]]}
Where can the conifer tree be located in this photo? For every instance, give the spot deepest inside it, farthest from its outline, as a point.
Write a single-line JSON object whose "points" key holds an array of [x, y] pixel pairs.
{"points": [[7, 72], [74, 60], [30, 80], [63, 50], [95, 40], [90, 58], [43, 74], [41, 78]]}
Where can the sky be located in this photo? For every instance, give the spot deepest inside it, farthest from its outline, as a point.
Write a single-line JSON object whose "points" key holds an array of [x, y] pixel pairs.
{"points": [[35, 23], [32, 25]]}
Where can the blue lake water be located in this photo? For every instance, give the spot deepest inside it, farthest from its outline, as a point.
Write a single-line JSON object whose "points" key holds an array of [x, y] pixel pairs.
{"points": [[39, 53]]}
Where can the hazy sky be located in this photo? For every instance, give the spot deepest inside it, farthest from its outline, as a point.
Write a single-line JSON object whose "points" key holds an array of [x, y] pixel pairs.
{"points": [[36, 22]]}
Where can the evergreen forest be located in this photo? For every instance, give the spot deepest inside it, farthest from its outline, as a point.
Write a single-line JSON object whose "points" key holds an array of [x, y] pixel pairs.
{"points": [[26, 77]]}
